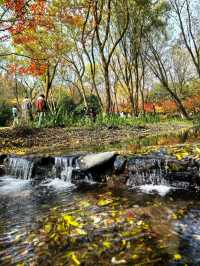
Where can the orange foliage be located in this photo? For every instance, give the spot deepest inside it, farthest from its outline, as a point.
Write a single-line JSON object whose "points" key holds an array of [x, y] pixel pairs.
{"points": [[35, 69], [193, 103], [168, 106], [149, 107]]}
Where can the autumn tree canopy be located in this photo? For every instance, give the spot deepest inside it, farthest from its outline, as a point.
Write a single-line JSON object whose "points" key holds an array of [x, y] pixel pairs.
{"points": [[117, 50]]}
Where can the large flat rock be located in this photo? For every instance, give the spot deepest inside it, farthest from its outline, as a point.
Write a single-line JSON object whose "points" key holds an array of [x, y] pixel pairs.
{"points": [[95, 159]]}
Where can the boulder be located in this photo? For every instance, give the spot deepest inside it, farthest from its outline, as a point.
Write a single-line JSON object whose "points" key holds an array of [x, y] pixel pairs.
{"points": [[93, 160]]}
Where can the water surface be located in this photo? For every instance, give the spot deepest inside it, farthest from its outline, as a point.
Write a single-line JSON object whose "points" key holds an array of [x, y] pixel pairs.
{"points": [[24, 205]]}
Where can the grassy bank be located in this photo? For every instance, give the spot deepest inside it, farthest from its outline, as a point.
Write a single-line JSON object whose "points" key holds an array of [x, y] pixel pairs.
{"points": [[115, 135]]}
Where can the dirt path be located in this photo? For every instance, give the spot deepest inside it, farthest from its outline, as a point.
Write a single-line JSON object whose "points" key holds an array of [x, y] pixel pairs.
{"points": [[50, 140]]}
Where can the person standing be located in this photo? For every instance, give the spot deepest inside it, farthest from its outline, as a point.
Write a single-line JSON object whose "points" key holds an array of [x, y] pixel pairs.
{"points": [[15, 114], [41, 108], [26, 110]]}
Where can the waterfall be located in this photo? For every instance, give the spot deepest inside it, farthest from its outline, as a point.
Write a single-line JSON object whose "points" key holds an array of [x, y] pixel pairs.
{"points": [[147, 171], [65, 166], [20, 168]]}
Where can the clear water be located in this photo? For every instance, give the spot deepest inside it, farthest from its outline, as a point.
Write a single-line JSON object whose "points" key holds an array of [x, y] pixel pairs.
{"points": [[23, 205]]}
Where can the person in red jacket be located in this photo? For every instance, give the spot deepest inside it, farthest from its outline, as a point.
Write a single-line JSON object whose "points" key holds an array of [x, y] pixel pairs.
{"points": [[41, 108]]}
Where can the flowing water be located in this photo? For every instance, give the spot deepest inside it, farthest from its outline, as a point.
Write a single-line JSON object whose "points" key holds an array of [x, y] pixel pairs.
{"points": [[24, 205], [151, 223]]}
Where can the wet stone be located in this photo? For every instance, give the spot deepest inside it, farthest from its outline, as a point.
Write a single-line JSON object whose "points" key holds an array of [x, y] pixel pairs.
{"points": [[2, 170], [2, 158], [165, 170], [119, 164]]}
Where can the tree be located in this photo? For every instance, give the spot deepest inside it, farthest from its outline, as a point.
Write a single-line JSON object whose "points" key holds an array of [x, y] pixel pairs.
{"points": [[157, 58], [102, 12], [187, 18]]}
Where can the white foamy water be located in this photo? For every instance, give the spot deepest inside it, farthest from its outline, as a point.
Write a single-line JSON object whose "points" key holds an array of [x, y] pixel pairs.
{"points": [[162, 190], [12, 186], [59, 184]]}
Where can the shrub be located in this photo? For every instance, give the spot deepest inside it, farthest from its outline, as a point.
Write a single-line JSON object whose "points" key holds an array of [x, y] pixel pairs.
{"points": [[5, 113]]}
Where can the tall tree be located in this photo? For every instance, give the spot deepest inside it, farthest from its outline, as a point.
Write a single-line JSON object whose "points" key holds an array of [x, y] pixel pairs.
{"points": [[188, 20], [102, 14]]}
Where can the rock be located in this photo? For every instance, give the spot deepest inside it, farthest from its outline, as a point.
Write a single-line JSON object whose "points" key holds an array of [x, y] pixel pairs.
{"points": [[144, 163], [119, 164], [95, 160], [154, 169], [2, 170], [27, 167], [43, 167], [2, 158]]}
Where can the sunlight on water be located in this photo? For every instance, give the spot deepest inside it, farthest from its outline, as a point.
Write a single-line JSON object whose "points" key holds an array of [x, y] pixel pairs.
{"points": [[162, 190]]}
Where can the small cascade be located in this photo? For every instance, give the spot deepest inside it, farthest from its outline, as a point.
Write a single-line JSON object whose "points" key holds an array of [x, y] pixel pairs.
{"points": [[65, 167], [20, 168], [147, 172]]}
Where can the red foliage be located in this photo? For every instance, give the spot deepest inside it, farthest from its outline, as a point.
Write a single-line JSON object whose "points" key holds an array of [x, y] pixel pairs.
{"points": [[16, 5], [34, 69], [24, 15], [149, 107]]}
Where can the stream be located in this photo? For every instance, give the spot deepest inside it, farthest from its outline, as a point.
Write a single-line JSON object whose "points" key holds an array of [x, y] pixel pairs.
{"points": [[142, 225]]}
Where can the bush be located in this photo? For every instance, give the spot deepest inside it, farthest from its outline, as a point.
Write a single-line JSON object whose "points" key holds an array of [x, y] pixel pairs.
{"points": [[5, 113]]}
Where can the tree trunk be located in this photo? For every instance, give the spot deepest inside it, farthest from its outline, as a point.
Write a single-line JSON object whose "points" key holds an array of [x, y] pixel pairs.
{"points": [[178, 102], [107, 87]]}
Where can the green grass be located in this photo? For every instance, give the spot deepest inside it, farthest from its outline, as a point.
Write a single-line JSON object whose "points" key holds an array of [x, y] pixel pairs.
{"points": [[108, 121]]}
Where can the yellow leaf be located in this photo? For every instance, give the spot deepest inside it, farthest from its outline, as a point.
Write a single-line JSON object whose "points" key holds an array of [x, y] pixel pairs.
{"points": [[106, 244], [74, 258], [104, 202], [70, 220], [197, 150], [181, 155], [177, 257], [174, 216], [135, 257], [81, 232], [47, 228]]}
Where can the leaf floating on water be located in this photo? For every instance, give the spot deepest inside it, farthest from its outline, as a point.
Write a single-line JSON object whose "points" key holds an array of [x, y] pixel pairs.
{"points": [[47, 228], [197, 150], [135, 257], [104, 202], [70, 220], [117, 262], [85, 204], [74, 258], [177, 257], [174, 216], [106, 244], [81, 232], [182, 154], [130, 214]]}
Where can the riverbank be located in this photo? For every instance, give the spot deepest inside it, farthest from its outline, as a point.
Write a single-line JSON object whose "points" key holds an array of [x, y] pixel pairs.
{"points": [[23, 141]]}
